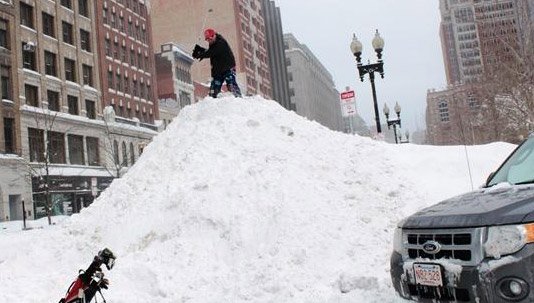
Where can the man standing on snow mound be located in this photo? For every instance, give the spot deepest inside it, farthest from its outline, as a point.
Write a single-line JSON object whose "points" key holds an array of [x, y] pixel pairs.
{"points": [[222, 62]]}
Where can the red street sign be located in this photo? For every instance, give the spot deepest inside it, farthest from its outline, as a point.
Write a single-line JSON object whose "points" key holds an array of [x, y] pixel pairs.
{"points": [[347, 95]]}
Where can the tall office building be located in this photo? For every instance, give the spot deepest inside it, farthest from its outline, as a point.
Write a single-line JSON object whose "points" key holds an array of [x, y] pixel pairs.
{"points": [[311, 86], [275, 50], [59, 98], [477, 38], [239, 21], [475, 34], [126, 59]]}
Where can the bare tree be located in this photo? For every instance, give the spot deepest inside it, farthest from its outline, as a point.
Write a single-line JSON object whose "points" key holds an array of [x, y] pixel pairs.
{"points": [[507, 87], [41, 152], [112, 162]]}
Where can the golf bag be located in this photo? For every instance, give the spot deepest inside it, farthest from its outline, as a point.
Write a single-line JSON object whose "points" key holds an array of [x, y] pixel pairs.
{"points": [[90, 281]]}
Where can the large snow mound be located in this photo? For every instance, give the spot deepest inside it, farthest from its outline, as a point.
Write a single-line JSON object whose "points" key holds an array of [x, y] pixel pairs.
{"points": [[240, 200]]}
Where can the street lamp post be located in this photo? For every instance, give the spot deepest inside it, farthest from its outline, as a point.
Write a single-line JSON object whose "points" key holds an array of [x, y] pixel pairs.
{"points": [[356, 48], [407, 135], [395, 122]]}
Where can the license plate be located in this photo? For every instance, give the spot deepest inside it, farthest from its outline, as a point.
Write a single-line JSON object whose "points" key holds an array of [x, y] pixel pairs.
{"points": [[428, 274]]}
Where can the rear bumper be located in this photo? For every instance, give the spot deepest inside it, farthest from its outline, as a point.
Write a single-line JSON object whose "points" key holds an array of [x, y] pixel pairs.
{"points": [[487, 282]]}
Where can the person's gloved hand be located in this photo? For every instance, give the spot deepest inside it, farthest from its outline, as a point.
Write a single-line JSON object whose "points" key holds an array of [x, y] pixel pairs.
{"points": [[104, 283], [198, 51]]}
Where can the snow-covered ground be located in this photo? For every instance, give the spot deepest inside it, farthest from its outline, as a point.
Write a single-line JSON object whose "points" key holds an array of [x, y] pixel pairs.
{"points": [[240, 200]]}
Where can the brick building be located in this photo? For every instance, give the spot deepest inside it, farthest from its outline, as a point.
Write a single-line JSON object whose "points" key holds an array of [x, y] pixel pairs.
{"points": [[126, 59]]}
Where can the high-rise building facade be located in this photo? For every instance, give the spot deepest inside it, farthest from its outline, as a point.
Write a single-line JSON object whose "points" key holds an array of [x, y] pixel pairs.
{"points": [[311, 86], [239, 21], [275, 51], [479, 38], [475, 34], [126, 59], [59, 101]]}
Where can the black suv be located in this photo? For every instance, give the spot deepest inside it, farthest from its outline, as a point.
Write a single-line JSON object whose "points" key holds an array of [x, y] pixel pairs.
{"points": [[477, 247]]}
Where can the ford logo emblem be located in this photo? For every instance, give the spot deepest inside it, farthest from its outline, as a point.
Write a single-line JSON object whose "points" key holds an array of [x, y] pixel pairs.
{"points": [[431, 247]]}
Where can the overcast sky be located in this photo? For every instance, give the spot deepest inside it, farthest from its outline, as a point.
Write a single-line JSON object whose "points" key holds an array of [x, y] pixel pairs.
{"points": [[413, 60]]}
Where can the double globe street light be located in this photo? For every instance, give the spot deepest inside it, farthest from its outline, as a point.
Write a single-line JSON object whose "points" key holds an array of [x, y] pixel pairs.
{"points": [[395, 122], [356, 48]]}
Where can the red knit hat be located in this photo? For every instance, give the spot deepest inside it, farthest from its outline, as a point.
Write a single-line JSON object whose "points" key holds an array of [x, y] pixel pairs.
{"points": [[209, 34]]}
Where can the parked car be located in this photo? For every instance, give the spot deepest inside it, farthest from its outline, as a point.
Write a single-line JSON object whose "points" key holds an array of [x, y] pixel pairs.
{"points": [[476, 247]]}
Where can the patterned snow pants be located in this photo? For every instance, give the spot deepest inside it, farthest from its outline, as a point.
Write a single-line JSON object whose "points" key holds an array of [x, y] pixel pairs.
{"points": [[231, 84]]}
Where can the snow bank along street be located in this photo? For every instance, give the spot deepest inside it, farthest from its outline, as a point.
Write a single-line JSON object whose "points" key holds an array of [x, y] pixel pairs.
{"points": [[240, 200]]}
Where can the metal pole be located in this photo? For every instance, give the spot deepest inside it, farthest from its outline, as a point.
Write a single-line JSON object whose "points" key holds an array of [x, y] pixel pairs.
{"points": [[24, 214], [377, 117], [395, 133]]}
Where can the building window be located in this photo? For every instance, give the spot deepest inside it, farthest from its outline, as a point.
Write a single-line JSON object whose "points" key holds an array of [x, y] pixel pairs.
{"points": [[90, 108], [72, 102], [76, 149], [185, 99], [124, 53], [126, 85], [5, 73], [139, 61], [116, 50], [124, 155], [83, 8], [134, 88], [9, 135], [443, 109], [56, 147], [108, 48], [36, 144], [132, 154], [85, 40], [121, 24], [93, 157], [48, 25], [53, 100], [67, 3], [70, 70], [31, 93], [142, 90], [28, 56], [68, 34], [116, 152], [472, 102], [110, 80], [132, 57], [118, 82], [87, 75], [26, 15], [113, 20], [50, 63], [4, 34]]}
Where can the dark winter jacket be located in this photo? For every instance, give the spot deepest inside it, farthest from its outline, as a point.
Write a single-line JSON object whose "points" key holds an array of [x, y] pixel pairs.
{"points": [[221, 57]]}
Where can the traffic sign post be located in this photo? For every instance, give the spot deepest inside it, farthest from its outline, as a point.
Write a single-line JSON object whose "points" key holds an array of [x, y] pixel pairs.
{"points": [[348, 106], [348, 103]]}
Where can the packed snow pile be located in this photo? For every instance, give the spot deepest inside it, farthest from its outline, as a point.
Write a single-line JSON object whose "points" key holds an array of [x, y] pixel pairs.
{"points": [[240, 200]]}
